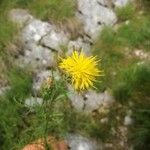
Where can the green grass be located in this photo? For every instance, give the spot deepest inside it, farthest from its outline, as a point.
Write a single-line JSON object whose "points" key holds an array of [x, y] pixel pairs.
{"points": [[136, 34], [20, 82], [53, 117], [53, 10], [135, 79], [125, 13], [112, 45], [12, 109], [7, 31], [7, 28], [139, 132]]}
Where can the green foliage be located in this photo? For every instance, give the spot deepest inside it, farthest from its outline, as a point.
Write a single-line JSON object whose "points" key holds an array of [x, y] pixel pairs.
{"points": [[7, 31], [140, 131], [122, 91], [11, 108], [54, 10], [20, 82], [134, 79], [7, 28], [125, 13], [135, 34]]}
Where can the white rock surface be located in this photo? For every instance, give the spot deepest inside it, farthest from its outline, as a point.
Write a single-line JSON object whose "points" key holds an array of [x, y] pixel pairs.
{"points": [[3, 89], [42, 76], [34, 31], [39, 79], [141, 54], [38, 57], [78, 142], [78, 45], [94, 16], [33, 101], [104, 120], [90, 100], [76, 99], [128, 120], [96, 100], [54, 39], [43, 33]]}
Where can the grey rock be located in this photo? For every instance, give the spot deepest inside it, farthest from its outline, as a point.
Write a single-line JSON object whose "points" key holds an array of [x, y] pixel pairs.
{"points": [[108, 98], [33, 101], [96, 100], [104, 120], [3, 89], [39, 79], [76, 99], [54, 39], [141, 54], [43, 33], [106, 3], [78, 45], [89, 101], [78, 142], [34, 31], [20, 16], [93, 100], [128, 120], [38, 57], [42, 76], [94, 16]]}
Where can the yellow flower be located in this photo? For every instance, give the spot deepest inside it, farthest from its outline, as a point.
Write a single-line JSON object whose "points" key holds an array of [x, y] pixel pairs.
{"points": [[83, 70]]}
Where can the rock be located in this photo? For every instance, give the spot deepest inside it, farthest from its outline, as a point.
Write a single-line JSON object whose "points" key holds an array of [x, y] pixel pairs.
{"points": [[78, 45], [54, 39], [3, 90], [76, 99], [90, 101], [78, 142], [108, 98], [39, 79], [94, 16], [105, 3], [104, 120], [121, 3], [34, 31], [95, 101], [127, 120], [20, 16], [141, 54], [33, 101], [43, 33], [38, 57]]}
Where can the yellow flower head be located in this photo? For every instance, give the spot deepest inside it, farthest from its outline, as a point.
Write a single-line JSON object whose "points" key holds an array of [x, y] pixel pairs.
{"points": [[83, 70]]}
